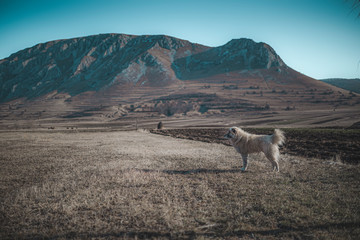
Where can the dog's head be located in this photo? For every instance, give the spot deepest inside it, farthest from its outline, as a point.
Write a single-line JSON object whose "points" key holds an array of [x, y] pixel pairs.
{"points": [[232, 133]]}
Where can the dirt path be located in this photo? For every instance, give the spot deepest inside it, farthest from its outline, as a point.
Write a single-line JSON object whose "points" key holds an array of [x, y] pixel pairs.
{"points": [[142, 185]]}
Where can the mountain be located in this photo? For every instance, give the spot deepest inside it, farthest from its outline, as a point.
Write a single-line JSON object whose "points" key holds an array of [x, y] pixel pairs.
{"points": [[344, 83], [117, 76], [98, 62]]}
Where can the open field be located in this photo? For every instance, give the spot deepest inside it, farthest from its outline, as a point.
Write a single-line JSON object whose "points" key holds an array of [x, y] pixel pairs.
{"points": [[133, 184]]}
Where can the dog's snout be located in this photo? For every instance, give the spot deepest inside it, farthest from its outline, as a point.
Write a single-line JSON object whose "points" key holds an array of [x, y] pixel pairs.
{"points": [[227, 136]]}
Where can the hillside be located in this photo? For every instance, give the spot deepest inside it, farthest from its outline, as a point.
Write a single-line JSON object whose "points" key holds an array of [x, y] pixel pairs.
{"points": [[344, 83]]}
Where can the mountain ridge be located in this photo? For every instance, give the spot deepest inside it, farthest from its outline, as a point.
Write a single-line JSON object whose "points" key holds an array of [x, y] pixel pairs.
{"points": [[350, 84]]}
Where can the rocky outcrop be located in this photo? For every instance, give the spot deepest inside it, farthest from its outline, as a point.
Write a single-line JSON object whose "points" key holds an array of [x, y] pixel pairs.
{"points": [[238, 54]]}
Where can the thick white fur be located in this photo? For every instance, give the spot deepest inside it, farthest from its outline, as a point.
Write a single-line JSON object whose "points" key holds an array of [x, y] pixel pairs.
{"points": [[246, 143]]}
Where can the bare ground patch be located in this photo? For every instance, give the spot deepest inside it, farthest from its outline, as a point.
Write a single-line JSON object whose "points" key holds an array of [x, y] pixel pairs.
{"points": [[140, 185]]}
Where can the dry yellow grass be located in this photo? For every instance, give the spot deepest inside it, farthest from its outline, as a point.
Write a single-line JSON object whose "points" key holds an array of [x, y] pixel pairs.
{"points": [[138, 185]]}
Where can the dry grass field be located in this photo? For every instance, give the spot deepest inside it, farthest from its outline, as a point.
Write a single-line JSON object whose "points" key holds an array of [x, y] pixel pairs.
{"points": [[134, 184]]}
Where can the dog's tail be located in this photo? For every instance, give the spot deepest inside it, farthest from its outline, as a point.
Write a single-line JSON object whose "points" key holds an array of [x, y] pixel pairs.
{"points": [[278, 137]]}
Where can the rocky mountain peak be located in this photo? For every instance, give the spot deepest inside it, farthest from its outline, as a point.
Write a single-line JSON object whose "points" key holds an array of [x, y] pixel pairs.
{"points": [[261, 52], [238, 54], [167, 42]]}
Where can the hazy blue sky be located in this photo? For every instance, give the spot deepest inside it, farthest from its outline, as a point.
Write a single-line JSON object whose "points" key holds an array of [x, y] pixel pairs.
{"points": [[320, 38]]}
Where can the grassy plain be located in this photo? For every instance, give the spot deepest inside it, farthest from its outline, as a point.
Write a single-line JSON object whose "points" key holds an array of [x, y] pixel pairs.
{"points": [[133, 184]]}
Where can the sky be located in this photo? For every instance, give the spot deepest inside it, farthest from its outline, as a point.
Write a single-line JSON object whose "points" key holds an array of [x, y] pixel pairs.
{"points": [[319, 38]]}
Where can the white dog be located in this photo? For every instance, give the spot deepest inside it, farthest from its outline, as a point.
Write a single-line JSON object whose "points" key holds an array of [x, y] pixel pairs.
{"points": [[246, 143]]}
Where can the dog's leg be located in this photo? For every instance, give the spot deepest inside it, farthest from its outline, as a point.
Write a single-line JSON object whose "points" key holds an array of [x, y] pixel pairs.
{"points": [[274, 161], [245, 162], [276, 166]]}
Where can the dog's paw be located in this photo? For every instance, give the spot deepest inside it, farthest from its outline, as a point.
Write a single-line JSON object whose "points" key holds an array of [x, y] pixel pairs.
{"points": [[243, 169]]}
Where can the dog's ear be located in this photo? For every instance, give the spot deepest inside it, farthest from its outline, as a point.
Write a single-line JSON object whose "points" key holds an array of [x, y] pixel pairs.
{"points": [[233, 130]]}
